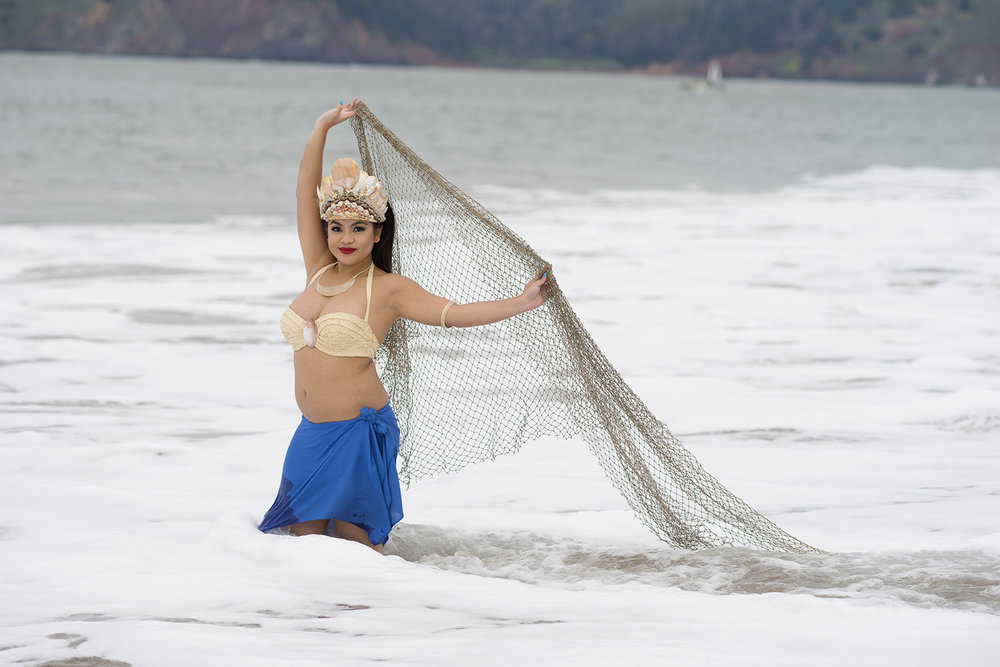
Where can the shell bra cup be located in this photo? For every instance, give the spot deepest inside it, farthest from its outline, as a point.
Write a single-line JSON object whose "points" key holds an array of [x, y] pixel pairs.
{"points": [[337, 334]]}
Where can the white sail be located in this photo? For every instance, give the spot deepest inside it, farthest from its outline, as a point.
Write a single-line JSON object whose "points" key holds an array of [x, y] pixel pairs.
{"points": [[714, 76]]}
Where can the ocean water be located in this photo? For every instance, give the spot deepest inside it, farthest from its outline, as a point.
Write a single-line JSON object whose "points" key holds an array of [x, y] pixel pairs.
{"points": [[816, 266]]}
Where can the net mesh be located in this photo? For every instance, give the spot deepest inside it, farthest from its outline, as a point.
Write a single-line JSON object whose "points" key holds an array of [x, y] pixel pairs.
{"points": [[462, 396]]}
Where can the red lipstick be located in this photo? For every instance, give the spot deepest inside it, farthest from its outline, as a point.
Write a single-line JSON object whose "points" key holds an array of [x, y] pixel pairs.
{"points": [[347, 251]]}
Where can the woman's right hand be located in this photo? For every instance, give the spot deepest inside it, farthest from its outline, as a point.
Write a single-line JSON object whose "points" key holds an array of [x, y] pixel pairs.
{"points": [[337, 114]]}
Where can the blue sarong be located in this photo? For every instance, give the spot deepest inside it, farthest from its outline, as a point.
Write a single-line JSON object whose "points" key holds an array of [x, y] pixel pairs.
{"points": [[342, 470]]}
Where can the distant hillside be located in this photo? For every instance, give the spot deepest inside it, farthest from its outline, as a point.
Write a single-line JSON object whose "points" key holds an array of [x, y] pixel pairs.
{"points": [[879, 40]]}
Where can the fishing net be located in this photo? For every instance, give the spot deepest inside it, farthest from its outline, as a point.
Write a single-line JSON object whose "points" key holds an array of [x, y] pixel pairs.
{"points": [[462, 396]]}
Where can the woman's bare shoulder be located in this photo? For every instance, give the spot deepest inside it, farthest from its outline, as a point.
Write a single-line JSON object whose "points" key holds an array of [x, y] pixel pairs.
{"points": [[398, 290], [395, 282]]}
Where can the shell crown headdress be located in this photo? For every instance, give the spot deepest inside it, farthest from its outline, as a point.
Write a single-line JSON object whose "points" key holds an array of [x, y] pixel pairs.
{"points": [[349, 193]]}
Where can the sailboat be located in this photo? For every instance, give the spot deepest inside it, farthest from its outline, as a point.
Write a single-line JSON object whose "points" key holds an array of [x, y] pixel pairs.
{"points": [[712, 80]]}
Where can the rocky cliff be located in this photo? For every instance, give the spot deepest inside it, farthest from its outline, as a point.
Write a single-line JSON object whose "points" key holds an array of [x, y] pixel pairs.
{"points": [[940, 41], [286, 30]]}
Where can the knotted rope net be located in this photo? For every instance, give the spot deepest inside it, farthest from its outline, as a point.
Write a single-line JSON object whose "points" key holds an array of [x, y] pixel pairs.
{"points": [[463, 396]]}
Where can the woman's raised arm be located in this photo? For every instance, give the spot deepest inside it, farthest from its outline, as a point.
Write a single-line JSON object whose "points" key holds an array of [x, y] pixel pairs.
{"points": [[312, 237], [415, 303]]}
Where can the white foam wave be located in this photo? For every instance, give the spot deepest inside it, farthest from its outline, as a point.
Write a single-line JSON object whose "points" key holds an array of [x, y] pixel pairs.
{"points": [[968, 580]]}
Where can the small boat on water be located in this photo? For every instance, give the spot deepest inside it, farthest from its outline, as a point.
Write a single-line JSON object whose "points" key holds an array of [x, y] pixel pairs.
{"points": [[712, 80]]}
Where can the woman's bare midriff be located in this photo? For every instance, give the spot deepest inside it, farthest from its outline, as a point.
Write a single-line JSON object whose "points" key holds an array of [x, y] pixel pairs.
{"points": [[331, 389]]}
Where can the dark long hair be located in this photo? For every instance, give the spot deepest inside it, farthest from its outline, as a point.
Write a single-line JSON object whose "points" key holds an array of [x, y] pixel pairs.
{"points": [[382, 252]]}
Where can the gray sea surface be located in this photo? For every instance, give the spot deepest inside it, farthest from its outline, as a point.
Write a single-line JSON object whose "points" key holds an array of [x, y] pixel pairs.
{"points": [[114, 138]]}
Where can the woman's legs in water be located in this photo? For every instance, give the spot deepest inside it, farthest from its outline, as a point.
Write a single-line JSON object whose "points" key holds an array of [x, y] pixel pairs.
{"points": [[317, 527], [351, 532], [344, 529]]}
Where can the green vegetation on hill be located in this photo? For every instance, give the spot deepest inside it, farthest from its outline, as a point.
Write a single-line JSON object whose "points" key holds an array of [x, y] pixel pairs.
{"points": [[906, 40], [847, 38]]}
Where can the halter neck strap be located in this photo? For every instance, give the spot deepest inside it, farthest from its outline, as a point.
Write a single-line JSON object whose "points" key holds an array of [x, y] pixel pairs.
{"points": [[319, 273], [368, 290]]}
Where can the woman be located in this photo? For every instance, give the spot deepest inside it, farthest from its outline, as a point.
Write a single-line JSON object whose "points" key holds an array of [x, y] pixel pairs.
{"points": [[341, 463]]}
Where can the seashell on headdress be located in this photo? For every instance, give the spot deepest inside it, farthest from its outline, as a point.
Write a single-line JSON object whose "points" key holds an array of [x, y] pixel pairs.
{"points": [[348, 193]]}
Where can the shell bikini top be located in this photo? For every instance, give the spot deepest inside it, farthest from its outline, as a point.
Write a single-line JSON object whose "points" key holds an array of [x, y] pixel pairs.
{"points": [[335, 334]]}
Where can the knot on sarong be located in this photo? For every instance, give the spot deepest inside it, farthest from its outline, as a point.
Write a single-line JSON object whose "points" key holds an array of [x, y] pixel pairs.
{"points": [[371, 416]]}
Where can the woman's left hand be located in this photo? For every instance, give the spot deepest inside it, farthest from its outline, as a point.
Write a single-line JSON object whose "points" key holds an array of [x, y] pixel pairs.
{"points": [[533, 294]]}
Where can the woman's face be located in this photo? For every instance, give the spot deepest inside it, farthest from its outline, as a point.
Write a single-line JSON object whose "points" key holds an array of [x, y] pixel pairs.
{"points": [[351, 241]]}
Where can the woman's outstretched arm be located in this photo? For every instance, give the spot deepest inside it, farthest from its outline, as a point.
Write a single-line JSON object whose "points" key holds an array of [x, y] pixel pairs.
{"points": [[415, 303], [312, 238]]}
